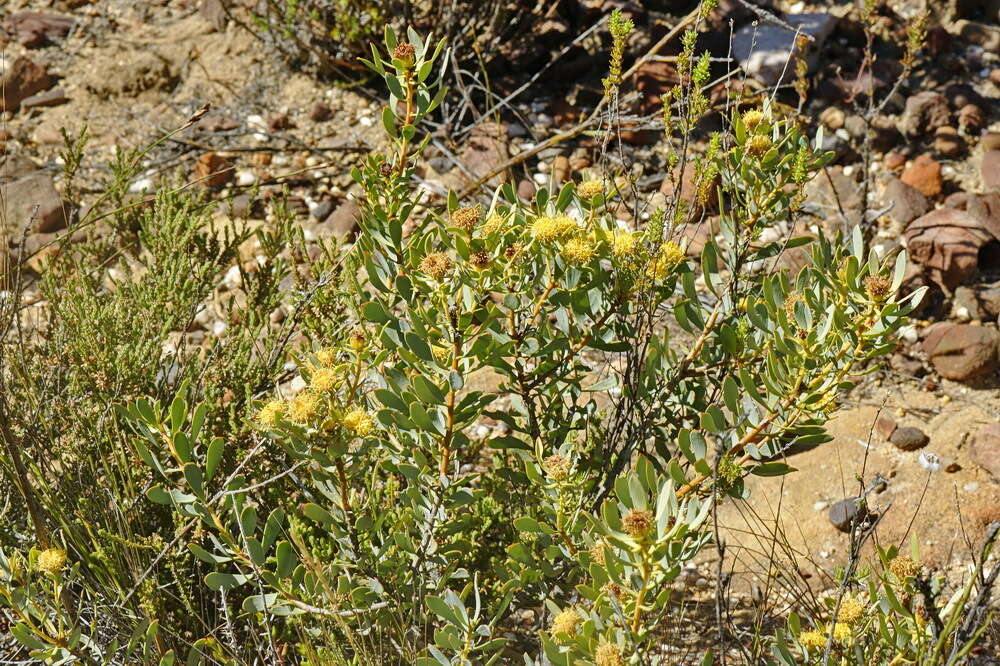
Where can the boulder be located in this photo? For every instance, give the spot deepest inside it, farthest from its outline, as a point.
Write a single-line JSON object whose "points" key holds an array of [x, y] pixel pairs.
{"points": [[767, 52], [924, 112], [23, 79], [946, 243], [908, 203], [990, 170], [985, 448], [962, 351], [32, 200], [924, 174]]}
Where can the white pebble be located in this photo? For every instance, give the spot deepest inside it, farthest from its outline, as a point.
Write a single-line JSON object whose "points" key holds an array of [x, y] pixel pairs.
{"points": [[908, 333], [141, 185], [219, 327], [849, 169], [233, 278], [245, 178], [367, 121], [256, 121]]}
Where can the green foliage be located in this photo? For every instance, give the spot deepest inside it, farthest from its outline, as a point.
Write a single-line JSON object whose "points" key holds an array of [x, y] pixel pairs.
{"points": [[373, 517]]}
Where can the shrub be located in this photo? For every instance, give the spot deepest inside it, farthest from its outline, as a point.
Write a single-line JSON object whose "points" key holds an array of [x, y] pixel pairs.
{"points": [[372, 516]]}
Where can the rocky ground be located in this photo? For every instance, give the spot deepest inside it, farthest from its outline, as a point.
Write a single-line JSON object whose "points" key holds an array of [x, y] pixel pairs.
{"points": [[929, 424]]}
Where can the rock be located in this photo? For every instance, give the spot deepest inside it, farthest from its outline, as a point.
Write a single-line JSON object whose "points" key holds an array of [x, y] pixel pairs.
{"points": [[965, 305], [908, 203], [485, 151], [560, 169], [279, 121], [214, 13], [20, 198], [826, 197], [990, 141], [833, 117], [343, 221], [36, 29], [856, 127], [946, 242], [14, 166], [320, 113], [652, 80], [990, 170], [908, 438], [970, 118], [764, 50], [961, 94], [885, 425], [924, 174], [962, 351], [979, 34], [140, 70], [53, 97], [845, 513], [23, 79], [894, 161], [948, 143], [924, 112], [985, 448], [322, 210], [526, 190], [906, 366], [213, 170]]}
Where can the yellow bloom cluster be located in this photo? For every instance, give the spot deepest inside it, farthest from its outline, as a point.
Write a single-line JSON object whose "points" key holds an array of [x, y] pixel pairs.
{"points": [[851, 610], [493, 224], [359, 423], [637, 522], [436, 265], [623, 245], [579, 250], [327, 356], [51, 560], [842, 632], [608, 655], [271, 412], [753, 118], [903, 567], [480, 260], [556, 467], [671, 255], [548, 229], [466, 218], [324, 380], [759, 144], [303, 407], [590, 189], [566, 622], [812, 639]]}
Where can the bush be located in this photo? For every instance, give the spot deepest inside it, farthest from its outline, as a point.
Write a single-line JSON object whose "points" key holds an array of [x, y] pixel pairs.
{"points": [[372, 516]]}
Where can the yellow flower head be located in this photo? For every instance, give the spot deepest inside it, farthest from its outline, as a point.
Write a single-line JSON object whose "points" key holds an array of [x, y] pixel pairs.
{"points": [[512, 251], [556, 467], [466, 218], [759, 144], [671, 255], [327, 357], [436, 265], [566, 622], [903, 567], [493, 224], [271, 412], [637, 523], [608, 655], [480, 260], [51, 560], [813, 640], [303, 407], [358, 340], [324, 380], [441, 353], [548, 229], [579, 250], [590, 189], [753, 118], [878, 287], [851, 610], [613, 590], [597, 553], [623, 245], [842, 632], [359, 423]]}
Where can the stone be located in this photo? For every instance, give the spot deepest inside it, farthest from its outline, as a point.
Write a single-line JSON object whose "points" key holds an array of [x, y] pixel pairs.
{"points": [[652, 80], [140, 70], [908, 203], [909, 438], [990, 170], [965, 305], [279, 121], [343, 221], [322, 210], [320, 113], [23, 79], [985, 448], [980, 34], [485, 151], [970, 118], [948, 143], [885, 425], [53, 97], [767, 52], [36, 29], [19, 199], [833, 117], [560, 169], [526, 190], [990, 141], [14, 166], [924, 174], [946, 243], [826, 197], [845, 513], [906, 366], [924, 112], [857, 128], [213, 170], [962, 351], [894, 161], [214, 13]]}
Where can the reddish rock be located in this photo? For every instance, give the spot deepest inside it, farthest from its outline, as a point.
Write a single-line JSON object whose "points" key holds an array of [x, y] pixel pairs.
{"points": [[213, 170], [948, 143], [33, 200], [971, 118], [894, 161], [908, 203], [35, 29], [946, 242], [320, 113], [925, 112], [343, 221], [23, 79], [985, 448], [990, 170], [990, 141], [962, 351], [526, 190], [652, 80], [908, 438], [885, 425], [924, 174]]}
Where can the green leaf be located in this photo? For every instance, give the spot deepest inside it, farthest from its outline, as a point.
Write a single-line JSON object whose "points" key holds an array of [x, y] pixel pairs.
{"points": [[375, 312], [772, 469], [206, 556], [213, 456], [224, 581]]}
